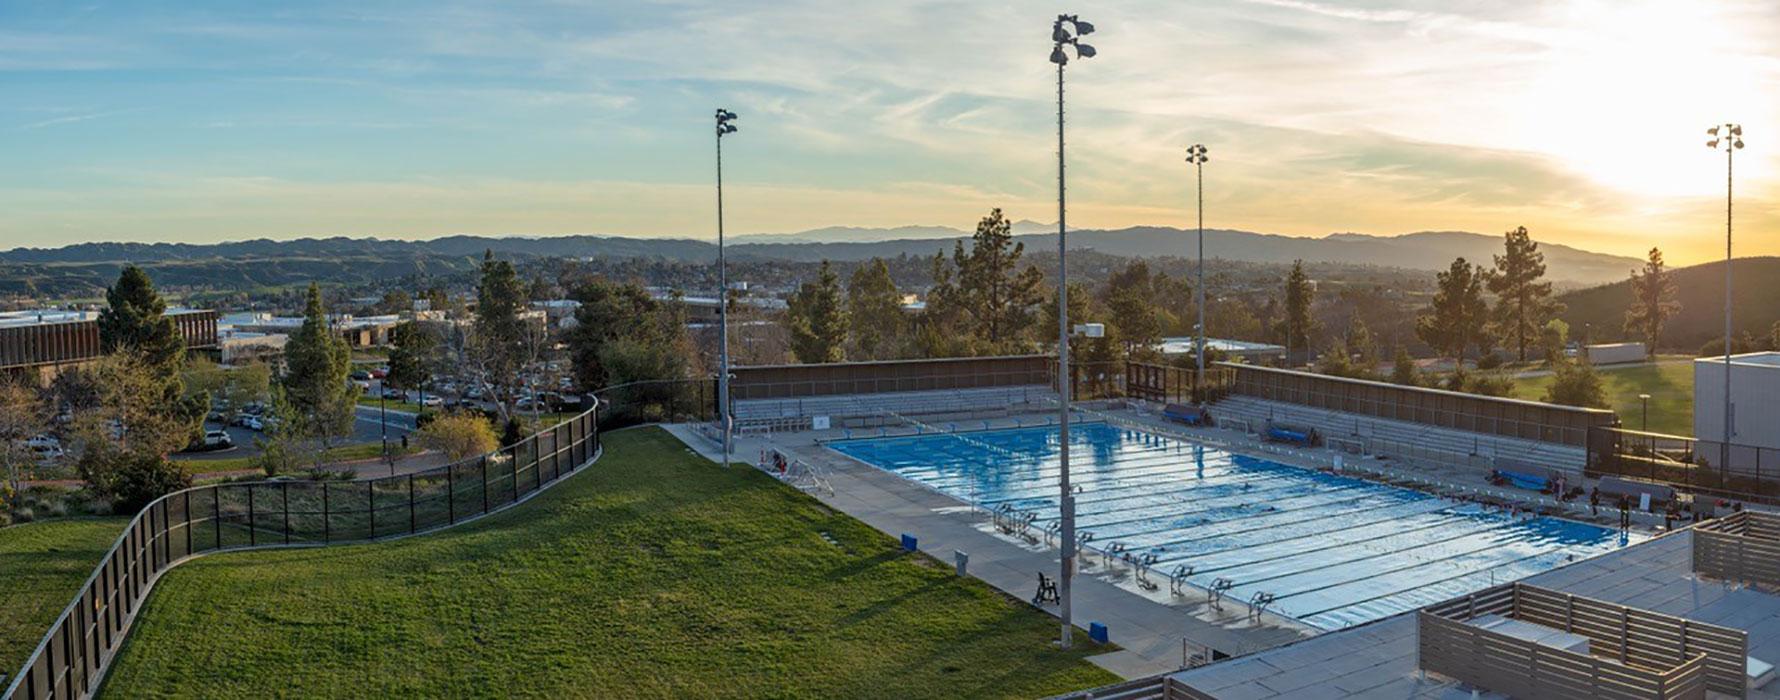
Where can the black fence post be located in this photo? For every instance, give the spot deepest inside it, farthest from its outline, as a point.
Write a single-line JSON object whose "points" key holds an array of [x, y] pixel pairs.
{"points": [[483, 462], [450, 494], [371, 506], [188, 523], [327, 516], [284, 487], [216, 512], [413, 525], [253, 539]]}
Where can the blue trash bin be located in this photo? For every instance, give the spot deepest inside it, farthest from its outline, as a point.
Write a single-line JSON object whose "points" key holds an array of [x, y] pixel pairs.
{"points": [[908, 542], [1097, 632]]}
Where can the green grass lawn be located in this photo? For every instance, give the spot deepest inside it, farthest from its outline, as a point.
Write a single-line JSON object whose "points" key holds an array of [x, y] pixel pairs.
{"points": [[1670, 386], [654, 574], [343, 453], [41, 568]]}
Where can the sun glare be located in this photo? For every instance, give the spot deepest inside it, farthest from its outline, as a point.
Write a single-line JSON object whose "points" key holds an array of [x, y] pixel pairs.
{"points": [[1627, 99]]}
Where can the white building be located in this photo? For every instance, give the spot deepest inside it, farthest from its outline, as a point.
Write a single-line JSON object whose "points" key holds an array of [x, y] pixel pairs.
{"points": [[1755, 405]]}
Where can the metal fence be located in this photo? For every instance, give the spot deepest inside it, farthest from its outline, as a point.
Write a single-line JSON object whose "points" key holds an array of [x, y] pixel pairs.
{"points": [[1686, 463], [74, 655]]}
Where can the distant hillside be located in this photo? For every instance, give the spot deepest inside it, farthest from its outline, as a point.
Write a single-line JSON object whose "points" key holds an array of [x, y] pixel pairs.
{"points": [[81, 269], [1700, 289]]}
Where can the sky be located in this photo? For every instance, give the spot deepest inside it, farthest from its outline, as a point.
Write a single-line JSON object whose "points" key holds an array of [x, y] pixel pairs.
{"points": [[205, 120]]}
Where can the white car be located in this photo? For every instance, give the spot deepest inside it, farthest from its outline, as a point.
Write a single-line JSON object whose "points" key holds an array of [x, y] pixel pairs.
{"points": [[432, 400], [43, 442], [217, 439], [253, 423]]}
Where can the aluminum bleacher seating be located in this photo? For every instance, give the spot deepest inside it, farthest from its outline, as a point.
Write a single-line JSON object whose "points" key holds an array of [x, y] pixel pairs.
{"points": [[1385, 431], [904, 403]]}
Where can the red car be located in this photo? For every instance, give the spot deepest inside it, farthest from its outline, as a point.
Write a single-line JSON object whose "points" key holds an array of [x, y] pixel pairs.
{"points": [[380, 373]]}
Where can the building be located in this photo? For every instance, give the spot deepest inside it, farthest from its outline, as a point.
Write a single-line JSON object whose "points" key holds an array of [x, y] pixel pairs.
{"points": [[43, 342], [1755, 406], [359, 331], [1615, 353]]}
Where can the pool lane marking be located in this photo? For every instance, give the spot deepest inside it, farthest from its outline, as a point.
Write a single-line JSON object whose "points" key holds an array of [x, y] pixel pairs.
{"points": [[1378, 574], [1426, 584]]}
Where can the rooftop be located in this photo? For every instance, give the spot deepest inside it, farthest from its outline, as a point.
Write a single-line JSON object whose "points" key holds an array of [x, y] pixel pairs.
{"points": [[1184, 345], [1379, 659], [1766, 358], [36, 317]]}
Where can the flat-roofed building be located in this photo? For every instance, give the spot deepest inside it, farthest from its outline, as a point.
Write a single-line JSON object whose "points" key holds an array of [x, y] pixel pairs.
{"points": [[41, 343], [1754, 406]]}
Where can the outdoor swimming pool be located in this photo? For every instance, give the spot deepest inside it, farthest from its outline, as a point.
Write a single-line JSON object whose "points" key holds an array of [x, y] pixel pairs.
{"points": [[1333, 550]]}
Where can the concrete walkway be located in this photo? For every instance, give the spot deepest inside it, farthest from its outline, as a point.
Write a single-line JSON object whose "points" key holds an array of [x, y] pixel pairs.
{"points": [[1151, 627]]}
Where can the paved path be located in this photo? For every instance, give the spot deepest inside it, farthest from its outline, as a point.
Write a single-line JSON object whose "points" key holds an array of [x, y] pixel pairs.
{"points": [[1150, 626]]}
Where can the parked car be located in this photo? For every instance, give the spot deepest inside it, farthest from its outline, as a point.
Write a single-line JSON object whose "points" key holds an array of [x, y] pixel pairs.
{"points": [[364, 385], [43, 442], [252, 422], [380, 373], [432, 400], [394, 394], [359, 375]]}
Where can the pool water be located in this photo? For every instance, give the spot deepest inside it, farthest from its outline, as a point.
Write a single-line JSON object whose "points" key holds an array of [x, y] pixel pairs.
{"points": [[1334, 551]]}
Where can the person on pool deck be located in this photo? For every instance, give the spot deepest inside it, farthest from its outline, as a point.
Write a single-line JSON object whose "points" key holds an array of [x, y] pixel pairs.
{"points": [[1594, 500], [1625, 512]]}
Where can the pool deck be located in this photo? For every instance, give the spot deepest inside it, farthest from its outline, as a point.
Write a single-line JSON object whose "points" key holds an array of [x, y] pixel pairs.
{"points": [[1149, 627], [1378, 660], [1153, 628]]}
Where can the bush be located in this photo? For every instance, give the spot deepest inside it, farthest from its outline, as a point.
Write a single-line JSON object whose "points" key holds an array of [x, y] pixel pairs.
{"points": [[1575, 383], [23, 515], [459, 435], [130, 479], [1490, 361]]}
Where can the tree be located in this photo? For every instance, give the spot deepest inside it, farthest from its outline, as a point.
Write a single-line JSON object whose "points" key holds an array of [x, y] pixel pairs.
{"points": [[1363, 346], [1131, 299], [939, 331], [133, 405], [1575, 383], [1523, 302], [1079, 312], [875, 307], [1553, 338], [232, 387], [818, 320], [460, 435], [1299, 295], [1403, 369], [411, 356], [1458, 314], [1653, 301], [317, 361], [279, 440], [608, 311], [22, 415], [131, 479], [135, 319], [499, 348], [992, 291], [395, 302]]}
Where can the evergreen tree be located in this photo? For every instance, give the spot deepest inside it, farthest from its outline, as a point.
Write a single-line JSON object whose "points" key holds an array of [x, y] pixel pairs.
{"points": [[1363, 346], [818, 319], [1079, 312], [1523, 301], [1131, 299], [501, 348], [993, 292], [317, 361], [875, 307], [1403, 369], [609, 311], [411, 356], [1653, 301], [1299, 296], [1459, 312], [135, 319]]}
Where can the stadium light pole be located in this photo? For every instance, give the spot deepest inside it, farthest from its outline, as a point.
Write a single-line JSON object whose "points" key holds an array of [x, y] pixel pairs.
{"points": [[1196, 155], [724, 117], [1731, 137], [1061, 37]]}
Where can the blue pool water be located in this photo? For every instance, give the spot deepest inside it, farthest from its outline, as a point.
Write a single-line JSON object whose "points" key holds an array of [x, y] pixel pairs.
{"points": [[1335, 551]]}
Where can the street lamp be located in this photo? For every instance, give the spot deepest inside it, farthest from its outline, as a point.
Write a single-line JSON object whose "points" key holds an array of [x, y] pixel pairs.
{"points": [[1196, 156], [1644, 424], [1730, 136], [1061, 37], [724, 117]]}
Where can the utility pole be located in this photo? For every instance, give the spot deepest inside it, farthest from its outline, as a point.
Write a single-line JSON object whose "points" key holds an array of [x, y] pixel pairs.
{"points": [[724, 117], [1732, 138], [1196, 155]]}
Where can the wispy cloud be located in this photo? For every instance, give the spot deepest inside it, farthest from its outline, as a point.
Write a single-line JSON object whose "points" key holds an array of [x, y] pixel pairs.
{"points": [[76, 118]]}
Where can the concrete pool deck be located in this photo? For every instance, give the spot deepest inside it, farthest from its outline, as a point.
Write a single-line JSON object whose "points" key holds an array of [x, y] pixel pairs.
{"points": [[1154, 628]]}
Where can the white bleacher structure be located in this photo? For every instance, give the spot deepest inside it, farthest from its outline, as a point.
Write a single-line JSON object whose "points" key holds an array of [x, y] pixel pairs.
{"points": [[870, 410], [1405, 439]]}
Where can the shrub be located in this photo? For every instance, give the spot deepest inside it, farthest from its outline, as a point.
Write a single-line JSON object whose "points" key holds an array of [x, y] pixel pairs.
{"points": [[23, 515], [459, 435], [1575, 383], [130, 478], [1490, 361]]}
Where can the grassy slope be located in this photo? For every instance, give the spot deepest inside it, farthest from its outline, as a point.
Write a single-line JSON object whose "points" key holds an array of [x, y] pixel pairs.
{"points": [[1670, 386], [41, 567], [656, 574]]}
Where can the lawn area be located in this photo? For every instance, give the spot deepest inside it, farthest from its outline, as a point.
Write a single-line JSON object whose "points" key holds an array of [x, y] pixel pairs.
{"points": [[654, 574], [343, 453], [1670, 385], [41, 568]]}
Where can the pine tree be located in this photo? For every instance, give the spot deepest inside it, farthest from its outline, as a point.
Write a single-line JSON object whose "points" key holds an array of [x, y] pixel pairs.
{"points": [[1299, 296], [1523, 302], [1653, 301], [992, 290], [135, 319], [875, 307], [1403, 369], [411, 356], [317, 361], [501, 346], [1459, 312], [818, 319], [1131, 299]]}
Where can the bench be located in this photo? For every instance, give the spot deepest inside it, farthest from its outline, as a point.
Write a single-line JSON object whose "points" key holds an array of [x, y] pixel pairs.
{"points": [[1188, 415]]}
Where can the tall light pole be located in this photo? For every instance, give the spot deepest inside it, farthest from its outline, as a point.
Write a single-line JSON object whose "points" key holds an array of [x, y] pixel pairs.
{"points": [[1731, 137], [1061, 37], [724, 117], [1196, 156]]}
